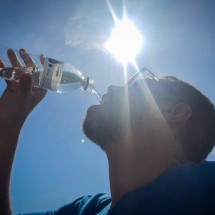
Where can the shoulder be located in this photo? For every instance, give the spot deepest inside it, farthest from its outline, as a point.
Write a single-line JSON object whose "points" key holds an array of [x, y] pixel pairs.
{"points": [[192, 183], [201, 171], [185, 189], [192, 175]]}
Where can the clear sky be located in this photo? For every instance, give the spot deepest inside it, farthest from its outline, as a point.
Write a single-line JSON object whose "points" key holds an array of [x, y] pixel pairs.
{"points": [[54, 162]]}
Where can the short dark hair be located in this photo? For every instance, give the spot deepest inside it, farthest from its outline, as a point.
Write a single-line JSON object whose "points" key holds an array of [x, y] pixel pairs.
{"points": [[198, 136]]}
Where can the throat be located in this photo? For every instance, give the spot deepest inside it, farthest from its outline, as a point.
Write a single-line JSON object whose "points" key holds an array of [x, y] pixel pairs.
{"points": [[130, 171], [123, 181]]}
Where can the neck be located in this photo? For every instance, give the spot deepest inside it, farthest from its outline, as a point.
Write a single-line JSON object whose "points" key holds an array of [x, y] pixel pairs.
{"points": [[132, 167]]}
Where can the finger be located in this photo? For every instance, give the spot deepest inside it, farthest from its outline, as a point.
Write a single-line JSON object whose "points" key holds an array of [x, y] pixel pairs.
{"points": [[13, 58], [12, 85], [25, 82], [42, 59], [26, 58], [2, 65]]}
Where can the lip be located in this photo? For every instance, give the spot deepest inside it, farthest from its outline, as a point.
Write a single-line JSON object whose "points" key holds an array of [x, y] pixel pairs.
{"points": [[104, 99], [104, 102], [108, 97]]}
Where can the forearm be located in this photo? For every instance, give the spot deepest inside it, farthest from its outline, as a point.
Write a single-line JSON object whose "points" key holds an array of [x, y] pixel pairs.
{"points": [[16, 103], [9, 134]]}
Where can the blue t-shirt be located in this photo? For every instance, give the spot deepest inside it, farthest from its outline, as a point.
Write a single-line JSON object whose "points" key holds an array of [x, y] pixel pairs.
{"points": [[187, 189]]}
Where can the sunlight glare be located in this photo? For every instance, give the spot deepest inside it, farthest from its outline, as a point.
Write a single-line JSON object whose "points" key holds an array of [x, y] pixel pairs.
{"points": [[125, 41]]}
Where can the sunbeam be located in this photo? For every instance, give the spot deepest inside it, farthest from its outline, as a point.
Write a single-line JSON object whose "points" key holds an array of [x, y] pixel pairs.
{"points": [[125, 40]]}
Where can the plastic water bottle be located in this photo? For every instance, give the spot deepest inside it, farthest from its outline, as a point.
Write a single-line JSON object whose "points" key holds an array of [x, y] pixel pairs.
{"points": [[51, 74]]}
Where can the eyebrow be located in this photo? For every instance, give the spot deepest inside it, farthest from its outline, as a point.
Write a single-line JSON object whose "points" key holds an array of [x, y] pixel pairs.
{"points": [[167, 89]]}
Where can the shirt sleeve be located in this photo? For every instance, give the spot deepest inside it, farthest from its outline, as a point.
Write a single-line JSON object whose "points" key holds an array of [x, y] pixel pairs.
{"points": [[84, 205], [71, 208], [41, 213]]}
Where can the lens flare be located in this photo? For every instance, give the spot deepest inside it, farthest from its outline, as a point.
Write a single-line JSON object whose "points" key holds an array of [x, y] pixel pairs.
{"points": [[125, 41]]}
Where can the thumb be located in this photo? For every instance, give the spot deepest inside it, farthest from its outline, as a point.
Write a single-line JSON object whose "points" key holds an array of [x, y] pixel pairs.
{"points": [[25, 82]]}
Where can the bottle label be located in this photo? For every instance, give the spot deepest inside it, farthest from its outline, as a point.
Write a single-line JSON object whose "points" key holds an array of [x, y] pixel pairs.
{"points": [[51, 77]]}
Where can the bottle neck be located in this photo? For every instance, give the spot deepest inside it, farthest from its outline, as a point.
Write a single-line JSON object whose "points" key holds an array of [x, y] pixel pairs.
{"points": [[90, 87], [86, 84]]}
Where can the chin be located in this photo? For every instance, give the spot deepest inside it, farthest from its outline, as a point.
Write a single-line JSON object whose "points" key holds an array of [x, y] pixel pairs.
{"points": [[98, 126]]}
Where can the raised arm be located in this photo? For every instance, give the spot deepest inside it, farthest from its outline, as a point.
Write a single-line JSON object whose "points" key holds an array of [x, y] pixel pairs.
{"points": [[16, 103]]}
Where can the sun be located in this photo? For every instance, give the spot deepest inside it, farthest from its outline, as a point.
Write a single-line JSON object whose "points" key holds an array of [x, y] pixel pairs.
{"points": [[125, 41]]}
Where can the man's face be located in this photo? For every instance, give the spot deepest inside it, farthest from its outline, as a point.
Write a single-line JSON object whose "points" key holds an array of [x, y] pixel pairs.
{"points": [[124, 110]]}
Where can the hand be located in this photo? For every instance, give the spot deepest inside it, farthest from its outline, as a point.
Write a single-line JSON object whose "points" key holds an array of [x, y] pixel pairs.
{"points": [[19, 98]]}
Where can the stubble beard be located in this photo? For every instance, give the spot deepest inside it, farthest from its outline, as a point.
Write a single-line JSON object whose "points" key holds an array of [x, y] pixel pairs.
{"points": [[100, 129]]}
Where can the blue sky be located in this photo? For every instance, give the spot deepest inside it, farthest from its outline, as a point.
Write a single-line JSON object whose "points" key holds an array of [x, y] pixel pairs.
{"points": [[52, 165]]}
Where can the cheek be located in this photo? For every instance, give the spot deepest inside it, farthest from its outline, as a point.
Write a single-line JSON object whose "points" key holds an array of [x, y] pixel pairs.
{"points": [[144, 113]]}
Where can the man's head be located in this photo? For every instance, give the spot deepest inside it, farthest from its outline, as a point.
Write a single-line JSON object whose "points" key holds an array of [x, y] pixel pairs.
{"points": [[152, 109], [197, 137]]}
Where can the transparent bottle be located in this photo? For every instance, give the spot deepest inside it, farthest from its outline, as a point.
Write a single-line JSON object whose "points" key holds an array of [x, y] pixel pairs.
{"points": [[51, 74]]}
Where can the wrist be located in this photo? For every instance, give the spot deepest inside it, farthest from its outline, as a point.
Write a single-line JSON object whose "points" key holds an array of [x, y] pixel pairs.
{"points": [[10, 123]]}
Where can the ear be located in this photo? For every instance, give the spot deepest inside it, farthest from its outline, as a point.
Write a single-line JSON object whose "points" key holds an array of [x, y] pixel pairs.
{"points": [[180, 113]]}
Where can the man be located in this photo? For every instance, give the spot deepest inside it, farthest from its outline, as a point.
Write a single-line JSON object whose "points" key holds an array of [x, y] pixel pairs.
{"points": [[156, 133]]}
